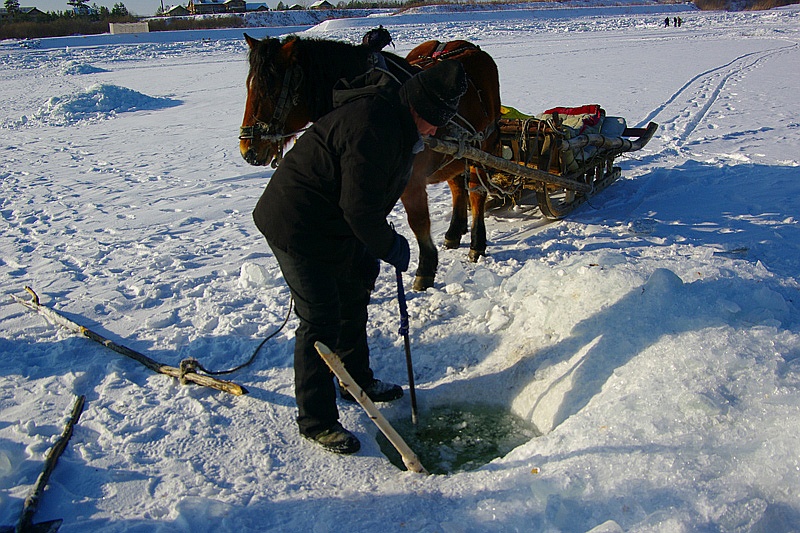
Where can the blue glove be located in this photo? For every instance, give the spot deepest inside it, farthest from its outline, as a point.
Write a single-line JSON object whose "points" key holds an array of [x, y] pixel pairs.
{"points": [[400, 254]]}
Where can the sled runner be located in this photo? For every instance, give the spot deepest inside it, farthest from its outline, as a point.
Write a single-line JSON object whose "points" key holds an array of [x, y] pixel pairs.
{"points": [[565, 155]]}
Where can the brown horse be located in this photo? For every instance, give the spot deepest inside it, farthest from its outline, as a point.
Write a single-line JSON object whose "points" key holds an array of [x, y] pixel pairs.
{"points": [[290, 83]]}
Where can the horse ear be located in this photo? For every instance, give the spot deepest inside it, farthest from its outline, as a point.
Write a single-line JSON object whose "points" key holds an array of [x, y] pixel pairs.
{"points": [[252, 43], [289, 49]]}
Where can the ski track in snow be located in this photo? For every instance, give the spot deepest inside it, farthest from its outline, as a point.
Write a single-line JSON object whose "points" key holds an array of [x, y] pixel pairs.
{"points": [[652, 335]]}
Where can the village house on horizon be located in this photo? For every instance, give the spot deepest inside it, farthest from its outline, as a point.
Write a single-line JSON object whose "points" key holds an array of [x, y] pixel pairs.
{"points": [[207, 7], [29, 13]]}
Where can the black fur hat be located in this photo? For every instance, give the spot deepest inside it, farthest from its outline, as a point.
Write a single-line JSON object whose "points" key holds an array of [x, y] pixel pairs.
{"points": [[434, 93]]}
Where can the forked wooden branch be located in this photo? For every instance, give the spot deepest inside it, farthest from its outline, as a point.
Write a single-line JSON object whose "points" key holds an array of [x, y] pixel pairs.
{"points": [[183, 375]]}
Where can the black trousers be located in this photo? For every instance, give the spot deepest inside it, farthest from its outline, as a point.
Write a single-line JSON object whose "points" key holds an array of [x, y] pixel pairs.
{"points": [[330, 300]]}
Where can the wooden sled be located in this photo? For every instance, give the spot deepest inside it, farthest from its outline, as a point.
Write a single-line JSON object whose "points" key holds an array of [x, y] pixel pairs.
{"points": [[562, 160]]}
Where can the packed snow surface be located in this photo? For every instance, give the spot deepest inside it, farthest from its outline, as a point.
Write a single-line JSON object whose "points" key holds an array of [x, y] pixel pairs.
{"points": [[653, 336]]}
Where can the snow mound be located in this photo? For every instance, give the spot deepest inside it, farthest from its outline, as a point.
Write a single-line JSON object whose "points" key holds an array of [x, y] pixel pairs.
{"points": [[253, 276], [72, 68], [98, 102]]}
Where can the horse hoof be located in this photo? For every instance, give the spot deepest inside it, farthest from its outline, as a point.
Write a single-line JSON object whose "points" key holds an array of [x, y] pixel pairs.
{"points": [[422, 283], [474, 255], [451, 244]]}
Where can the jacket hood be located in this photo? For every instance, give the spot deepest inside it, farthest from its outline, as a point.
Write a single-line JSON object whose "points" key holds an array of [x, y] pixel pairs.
{"points": [[373, 83]]}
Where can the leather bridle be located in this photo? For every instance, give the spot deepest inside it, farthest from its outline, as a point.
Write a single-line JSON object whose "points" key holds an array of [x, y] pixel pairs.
{"points": [[273, 131]]}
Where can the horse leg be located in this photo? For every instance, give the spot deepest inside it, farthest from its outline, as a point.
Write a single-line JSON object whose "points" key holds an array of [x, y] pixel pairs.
{"points": [[458, 218], [477, 200], [415, 202]]}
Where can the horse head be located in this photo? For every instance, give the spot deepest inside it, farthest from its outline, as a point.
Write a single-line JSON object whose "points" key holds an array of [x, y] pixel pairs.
{"points": [[275, 108]]}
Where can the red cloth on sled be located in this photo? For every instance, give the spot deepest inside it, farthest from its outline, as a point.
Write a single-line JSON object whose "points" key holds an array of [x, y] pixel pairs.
{"points": [[594, 114]]}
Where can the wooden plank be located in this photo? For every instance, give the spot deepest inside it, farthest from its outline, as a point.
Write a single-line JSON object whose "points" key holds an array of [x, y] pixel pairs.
{"points": [[504, 165]]}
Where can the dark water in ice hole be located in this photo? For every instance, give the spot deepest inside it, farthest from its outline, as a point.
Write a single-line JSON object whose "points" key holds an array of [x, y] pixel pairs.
{"points": [[457, 438]]}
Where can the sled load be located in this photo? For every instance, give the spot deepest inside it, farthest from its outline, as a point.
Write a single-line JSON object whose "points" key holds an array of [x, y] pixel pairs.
{"points": [[565, 155]]}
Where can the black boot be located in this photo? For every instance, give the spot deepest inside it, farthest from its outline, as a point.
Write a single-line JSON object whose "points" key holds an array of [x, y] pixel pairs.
{"points": [[378, 391], [336, 440]]}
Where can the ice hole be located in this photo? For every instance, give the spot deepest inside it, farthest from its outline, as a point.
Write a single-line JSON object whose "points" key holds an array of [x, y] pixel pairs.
{"points": [[458, 438]]}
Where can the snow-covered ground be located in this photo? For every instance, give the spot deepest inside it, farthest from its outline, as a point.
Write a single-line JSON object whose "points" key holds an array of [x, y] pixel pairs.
{"points": [[653, 336]]}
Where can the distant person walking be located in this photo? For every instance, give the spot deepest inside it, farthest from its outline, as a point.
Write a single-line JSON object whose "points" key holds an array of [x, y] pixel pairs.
{"points": [[666, 22]]}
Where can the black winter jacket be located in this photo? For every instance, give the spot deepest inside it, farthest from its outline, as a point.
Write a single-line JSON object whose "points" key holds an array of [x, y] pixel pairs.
{"points": [[343, 175]]}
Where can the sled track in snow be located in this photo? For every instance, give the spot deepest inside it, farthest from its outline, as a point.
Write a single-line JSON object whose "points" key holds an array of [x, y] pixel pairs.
{"points": [[705, 89]]}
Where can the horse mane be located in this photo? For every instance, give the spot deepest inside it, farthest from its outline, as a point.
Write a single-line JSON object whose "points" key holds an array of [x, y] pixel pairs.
{"points": [[322, 60], [326, 62], [262, 59]]}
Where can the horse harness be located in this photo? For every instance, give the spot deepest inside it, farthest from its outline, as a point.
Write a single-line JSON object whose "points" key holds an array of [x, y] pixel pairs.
{"points": [[459, 129], [440, 53], [464, 132]]}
